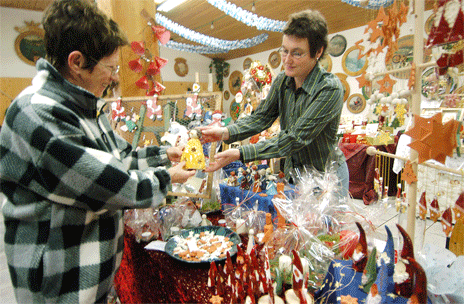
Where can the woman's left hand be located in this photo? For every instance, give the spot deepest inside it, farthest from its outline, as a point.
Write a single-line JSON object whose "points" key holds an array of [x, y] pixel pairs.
{"points": [[174, 153]]}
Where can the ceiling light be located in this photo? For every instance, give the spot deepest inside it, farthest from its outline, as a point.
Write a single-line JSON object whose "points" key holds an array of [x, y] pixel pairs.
{"points": [[168, 5]]}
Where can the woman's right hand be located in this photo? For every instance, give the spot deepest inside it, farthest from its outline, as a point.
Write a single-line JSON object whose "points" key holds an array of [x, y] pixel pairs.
{"points": [[213, 134], [179, 174]]}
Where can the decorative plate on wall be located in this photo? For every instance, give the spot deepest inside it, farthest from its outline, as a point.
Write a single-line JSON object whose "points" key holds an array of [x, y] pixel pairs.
{"points": [[345, 84], [181, 67], [234, 110], [351, 64], [274, 59], [226, 95], [356, 103], [429, 23], [235, 82], [337, 45], [29, 45], [326, 63], [247, 63]]}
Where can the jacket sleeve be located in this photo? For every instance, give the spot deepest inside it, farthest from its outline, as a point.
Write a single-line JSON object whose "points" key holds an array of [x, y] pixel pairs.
{"points": [[72, 171]]}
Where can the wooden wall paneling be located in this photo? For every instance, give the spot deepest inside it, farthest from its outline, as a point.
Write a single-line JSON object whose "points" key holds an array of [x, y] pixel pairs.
{"points": [[127, 14], [10, 87]]}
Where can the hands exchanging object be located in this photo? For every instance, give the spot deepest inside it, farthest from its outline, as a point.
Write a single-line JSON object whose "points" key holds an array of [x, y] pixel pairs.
{"points": [[177, 172], [221, 159]]}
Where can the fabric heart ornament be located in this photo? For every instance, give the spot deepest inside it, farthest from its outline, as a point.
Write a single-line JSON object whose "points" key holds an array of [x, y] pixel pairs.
{"points": [[153, 69], [136, 65], [161, 33], [138, 47], [143, 83]]}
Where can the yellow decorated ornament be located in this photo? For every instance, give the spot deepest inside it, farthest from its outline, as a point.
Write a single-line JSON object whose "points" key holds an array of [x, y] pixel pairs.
{"points": [[193, 152]]}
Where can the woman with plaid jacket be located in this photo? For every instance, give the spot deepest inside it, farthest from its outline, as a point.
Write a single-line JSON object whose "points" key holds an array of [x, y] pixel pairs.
{"points": [[66, 176]]}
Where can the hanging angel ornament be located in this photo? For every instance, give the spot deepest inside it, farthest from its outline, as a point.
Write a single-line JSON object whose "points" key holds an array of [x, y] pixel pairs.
{"points": [[154, 110], [117, 111]]}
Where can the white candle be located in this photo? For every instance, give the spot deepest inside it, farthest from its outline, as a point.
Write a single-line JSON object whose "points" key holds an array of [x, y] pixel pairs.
{"points": [[197, 77], [240, 226], [210, 82]]}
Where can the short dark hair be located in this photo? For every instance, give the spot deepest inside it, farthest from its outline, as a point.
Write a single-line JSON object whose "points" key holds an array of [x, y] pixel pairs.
{"points": [[78, 25], [311, 25]]}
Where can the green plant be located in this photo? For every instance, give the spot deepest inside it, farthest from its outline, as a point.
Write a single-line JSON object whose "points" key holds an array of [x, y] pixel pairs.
{"points": [[220, 67]]}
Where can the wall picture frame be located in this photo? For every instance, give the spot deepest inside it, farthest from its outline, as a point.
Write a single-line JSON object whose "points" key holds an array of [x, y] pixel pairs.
{"points": [[247, 63], [274, 59], [356, 103], [235, 82], [29, 45], [337, 45], [180, 66], [352, 64], [226, 95], [326, 63], [345, 84]]}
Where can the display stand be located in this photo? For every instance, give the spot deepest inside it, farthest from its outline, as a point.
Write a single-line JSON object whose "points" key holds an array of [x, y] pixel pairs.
{"points": [[457, 242], [171, 111]]}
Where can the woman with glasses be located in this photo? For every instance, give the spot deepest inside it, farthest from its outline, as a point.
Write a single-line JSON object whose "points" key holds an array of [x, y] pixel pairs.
{"points": [[306, 98], [66, 176]]}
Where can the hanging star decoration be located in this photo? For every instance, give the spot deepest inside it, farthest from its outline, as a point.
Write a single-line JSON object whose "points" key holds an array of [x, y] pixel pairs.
{"points": [[363, 81], [425, 133], [408, 174], [386, 84], [400, 111], [384, 138], [412, 76], [378, 109]]}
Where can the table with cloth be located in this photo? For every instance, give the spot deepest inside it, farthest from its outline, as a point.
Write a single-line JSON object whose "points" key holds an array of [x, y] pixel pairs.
{"points": [[150, 276], [361, 167]]}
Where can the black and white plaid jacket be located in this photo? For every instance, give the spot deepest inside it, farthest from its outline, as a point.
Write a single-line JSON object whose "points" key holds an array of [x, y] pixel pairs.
{"points": [[66, 178]]}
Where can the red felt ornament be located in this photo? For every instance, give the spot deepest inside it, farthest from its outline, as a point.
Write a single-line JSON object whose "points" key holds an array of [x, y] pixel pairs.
{"points": [[143, 83], [153, 69], [136, 65], [138, 47]]}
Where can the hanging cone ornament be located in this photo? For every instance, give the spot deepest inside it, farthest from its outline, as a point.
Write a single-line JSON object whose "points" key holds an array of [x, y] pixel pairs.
{"points": [[157, 89], [161, 34], [161, 62], [136, 65], [138, 47], [153, 69], [143, 83], [459, 207]]}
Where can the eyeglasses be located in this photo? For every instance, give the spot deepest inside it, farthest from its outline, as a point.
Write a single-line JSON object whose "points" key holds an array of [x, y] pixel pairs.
{"points": [[295, 54], [113, 69]]}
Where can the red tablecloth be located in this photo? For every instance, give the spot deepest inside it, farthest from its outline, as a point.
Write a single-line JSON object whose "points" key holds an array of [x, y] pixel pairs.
{"points": [[148, 276], [361, 167]]}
